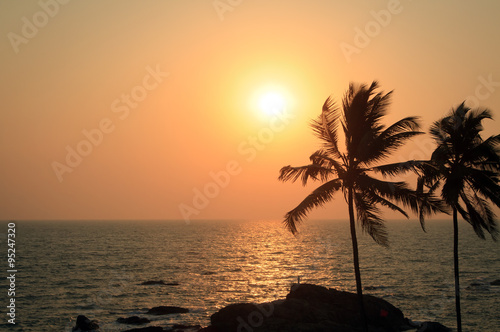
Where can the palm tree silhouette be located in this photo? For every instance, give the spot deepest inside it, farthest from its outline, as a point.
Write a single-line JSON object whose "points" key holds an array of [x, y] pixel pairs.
{"points": [[367, 141], [467, 167]]}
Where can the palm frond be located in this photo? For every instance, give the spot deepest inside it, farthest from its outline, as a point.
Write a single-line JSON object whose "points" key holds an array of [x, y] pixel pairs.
{"points": [[326, 126], [378, 148], [481, 217], [318, 197], [395, 169], [485, 155], [377, 199], [488, 217], [400, 192], [368, 217], [428, 203], [410, 123], [305, 173], [363, 110], [322, 158], [486, 183]]}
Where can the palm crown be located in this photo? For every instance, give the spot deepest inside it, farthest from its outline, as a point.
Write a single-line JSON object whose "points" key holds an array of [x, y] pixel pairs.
{"points": [[367, 141], [466, 166]]}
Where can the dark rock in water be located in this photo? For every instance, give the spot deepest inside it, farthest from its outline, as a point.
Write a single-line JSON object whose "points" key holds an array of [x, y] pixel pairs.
{"points": [[158, 282], [165, 310], [433, 327], [134, 320], [148, 329], [153, 282], [495, 283], [310, 308], [370, 288], [479, 285], [85, 324]]}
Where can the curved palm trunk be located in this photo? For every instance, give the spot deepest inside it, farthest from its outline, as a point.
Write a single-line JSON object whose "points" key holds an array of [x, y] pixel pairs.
{"points": [[357, 272], [457, 271]]}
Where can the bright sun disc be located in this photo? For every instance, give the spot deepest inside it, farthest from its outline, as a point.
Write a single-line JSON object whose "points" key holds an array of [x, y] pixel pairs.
{"points": [[272, 103]]}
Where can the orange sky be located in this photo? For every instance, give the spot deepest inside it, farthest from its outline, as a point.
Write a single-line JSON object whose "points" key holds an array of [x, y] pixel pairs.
{"points": [[166, 91]]}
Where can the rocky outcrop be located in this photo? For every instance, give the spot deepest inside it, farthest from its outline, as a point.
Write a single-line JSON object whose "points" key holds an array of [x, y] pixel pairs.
{"points": [[311, 308], [166, 310], [134, 320], [85, 324]]}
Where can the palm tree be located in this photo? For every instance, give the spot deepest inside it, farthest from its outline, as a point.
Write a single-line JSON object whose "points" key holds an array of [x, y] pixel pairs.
{"points": [[467, 167], [367, 141]]}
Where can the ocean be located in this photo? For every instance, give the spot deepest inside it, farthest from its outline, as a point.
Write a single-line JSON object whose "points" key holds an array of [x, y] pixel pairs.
{"points": [[95, 268]]}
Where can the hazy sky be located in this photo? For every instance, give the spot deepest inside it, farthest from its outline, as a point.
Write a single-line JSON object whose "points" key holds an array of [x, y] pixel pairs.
{"points": [[130, 109]]}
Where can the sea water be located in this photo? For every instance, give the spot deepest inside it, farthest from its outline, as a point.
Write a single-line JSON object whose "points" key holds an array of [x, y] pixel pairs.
{"points": [[71, 268]]}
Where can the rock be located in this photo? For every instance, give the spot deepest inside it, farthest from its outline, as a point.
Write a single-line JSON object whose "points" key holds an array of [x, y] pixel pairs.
{"points": [[310, 308], [153, 282], [433, 327], [158, 282], [166, 310], [85, 324], [480, 285], [148, 329], [495, 283], [134, 320], [342, 307]]}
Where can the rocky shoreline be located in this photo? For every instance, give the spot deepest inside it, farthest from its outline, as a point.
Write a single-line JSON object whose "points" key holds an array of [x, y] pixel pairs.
{"points": [[307, 308]]}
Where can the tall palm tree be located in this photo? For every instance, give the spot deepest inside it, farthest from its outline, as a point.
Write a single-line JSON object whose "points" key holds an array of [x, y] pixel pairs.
{"points": [[367, 141], [466, 168]]}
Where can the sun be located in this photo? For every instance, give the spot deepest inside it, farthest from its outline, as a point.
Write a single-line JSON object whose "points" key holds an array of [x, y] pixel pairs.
{"points": [[272, 103], [271, 100]]}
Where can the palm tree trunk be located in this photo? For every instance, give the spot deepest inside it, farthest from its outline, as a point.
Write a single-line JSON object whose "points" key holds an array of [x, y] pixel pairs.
{"points": [[357, 272], [457, 271]]}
